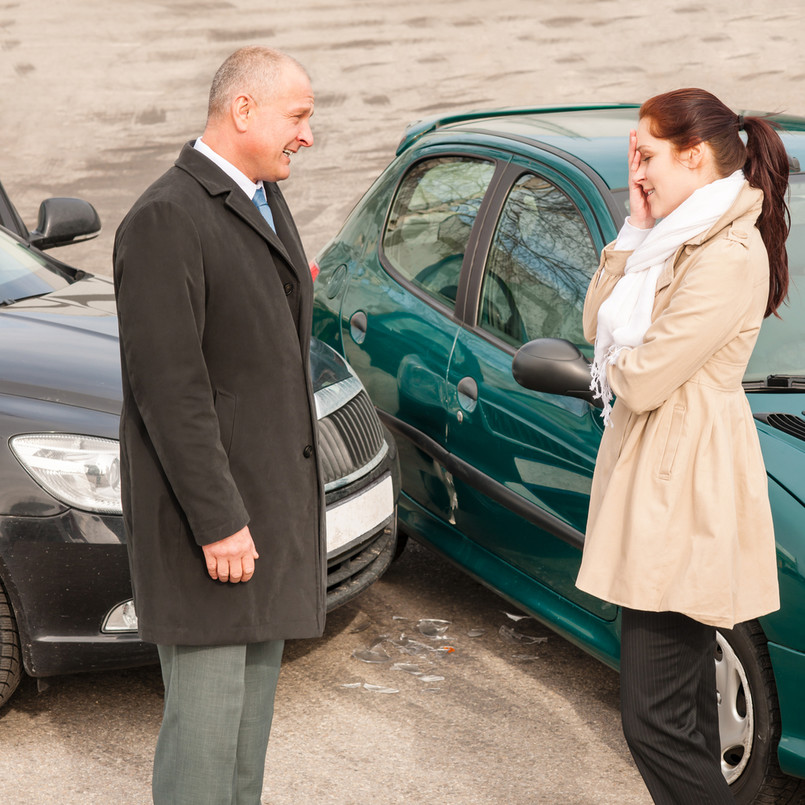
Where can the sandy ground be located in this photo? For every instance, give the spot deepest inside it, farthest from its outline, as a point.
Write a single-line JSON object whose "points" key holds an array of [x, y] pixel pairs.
{"points": [[96, 99]]}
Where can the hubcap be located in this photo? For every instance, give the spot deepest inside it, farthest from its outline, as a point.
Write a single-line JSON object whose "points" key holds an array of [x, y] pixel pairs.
{"points": [[736, 720]]}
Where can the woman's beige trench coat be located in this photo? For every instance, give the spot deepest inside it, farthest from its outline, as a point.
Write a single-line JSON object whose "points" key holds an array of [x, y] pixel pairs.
{"points": [[679, 512]]}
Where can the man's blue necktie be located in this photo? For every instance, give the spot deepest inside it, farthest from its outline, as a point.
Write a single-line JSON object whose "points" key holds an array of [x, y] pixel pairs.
{"points": [[261, 203]]}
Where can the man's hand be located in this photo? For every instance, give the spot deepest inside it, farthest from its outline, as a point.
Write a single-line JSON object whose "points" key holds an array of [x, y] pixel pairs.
{"points": [[231, 559]]}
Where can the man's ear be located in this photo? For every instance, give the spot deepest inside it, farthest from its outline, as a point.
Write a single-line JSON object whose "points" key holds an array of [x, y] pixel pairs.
{"points": [[241, 110]]}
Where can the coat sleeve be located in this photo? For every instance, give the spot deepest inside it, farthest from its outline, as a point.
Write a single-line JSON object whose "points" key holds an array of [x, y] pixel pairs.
{"points": [[610, 270], [704, 314], [160, 290]]}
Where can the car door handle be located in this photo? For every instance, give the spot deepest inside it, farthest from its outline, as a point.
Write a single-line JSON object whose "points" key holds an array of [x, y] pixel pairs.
{"points": [[468, 387], [357, 326], [467, 393]]}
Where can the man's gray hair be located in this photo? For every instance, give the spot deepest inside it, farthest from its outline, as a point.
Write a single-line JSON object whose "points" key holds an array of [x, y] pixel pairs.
{"points": [[253, 70]]}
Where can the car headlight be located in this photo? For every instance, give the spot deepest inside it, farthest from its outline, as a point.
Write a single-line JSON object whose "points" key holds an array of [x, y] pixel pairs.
{"points": [[80, 471]]}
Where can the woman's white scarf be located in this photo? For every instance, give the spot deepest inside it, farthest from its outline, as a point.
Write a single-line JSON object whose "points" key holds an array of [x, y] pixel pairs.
{"points": [[625, 315]]}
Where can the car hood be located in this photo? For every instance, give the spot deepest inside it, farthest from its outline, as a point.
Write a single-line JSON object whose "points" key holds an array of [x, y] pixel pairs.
{"points": [[63, 347], [783, 453]]}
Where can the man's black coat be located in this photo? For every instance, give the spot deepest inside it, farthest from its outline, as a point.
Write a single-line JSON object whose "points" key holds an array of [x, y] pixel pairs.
{"points": [[219, 425]]}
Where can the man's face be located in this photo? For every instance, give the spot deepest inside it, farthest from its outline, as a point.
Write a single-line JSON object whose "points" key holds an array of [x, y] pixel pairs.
{"points": [[278, 127]]}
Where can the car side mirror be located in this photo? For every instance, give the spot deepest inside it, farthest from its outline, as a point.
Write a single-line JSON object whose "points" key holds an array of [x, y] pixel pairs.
{"points": [[553, 366], [63, 221]]}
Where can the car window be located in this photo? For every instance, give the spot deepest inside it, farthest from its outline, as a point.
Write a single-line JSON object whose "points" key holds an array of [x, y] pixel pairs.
{"points": [[538, 268], [431, 219]]}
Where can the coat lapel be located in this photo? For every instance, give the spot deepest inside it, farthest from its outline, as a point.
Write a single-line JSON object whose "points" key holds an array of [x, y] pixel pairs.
{"points": [[286, 228], [746, 206], [217, 183], [244, 208]]}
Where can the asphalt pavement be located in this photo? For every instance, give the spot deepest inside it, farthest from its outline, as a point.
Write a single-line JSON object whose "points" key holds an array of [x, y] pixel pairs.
{"points": [[96, 100]]}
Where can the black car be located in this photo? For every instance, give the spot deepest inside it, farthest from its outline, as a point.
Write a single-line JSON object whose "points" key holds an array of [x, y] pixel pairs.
{"points": [[65, 592]]}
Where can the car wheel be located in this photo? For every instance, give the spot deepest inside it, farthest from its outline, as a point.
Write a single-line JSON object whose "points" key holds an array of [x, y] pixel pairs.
{"points": [[10, 661], [402, 541], [749, 718]]}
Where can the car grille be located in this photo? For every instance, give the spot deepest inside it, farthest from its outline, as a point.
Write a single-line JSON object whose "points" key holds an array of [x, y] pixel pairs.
{"points": [[351, 442]]}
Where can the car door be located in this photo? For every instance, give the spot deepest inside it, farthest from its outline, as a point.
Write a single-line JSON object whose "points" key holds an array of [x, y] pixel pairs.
{"points": [[398, 313], [532, 454]]}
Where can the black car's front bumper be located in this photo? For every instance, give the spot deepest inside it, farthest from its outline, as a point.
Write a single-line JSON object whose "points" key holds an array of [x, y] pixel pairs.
{"points": [[356, 566], [65, 573]]}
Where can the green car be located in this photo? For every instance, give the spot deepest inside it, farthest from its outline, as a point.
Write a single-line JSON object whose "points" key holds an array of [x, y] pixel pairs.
{"points": [[475, 245]]}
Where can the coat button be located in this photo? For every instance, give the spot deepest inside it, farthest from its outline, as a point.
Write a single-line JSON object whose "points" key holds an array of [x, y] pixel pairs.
{"points": [[288, 289], [308, 451]]}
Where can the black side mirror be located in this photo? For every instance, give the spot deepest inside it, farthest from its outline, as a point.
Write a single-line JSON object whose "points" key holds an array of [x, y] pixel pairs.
{"points": [[554, 366], [63, 221]]}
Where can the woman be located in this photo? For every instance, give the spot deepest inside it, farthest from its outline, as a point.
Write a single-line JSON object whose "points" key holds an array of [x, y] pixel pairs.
{"points": [[680, 531]]}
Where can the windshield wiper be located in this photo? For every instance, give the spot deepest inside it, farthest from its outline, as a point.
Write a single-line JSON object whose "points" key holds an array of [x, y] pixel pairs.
{"points": [[776, 383]]}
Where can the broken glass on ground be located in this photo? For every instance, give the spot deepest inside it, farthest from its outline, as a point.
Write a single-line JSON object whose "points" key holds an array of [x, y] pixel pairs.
{"points": [[432, 627], [408, 667], [376, 655], [374, 652], [526, 631], [369, 687], [362, 624], [516, 616], [381, 651], [379, 688]]}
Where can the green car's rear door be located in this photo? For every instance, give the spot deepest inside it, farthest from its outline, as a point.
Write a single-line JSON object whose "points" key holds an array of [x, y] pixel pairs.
{"points": [[398, 313]]}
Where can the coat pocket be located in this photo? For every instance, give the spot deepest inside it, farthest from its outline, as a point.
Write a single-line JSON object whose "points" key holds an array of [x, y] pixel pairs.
{"points": [[672, 442], [225, 404]]}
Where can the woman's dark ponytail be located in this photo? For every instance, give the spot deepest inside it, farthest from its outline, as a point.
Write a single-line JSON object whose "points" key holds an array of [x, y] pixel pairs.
{"points": [[766, 168], [687, 117]]}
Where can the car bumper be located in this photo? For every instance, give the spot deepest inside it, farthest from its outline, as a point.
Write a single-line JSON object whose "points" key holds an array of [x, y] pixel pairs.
{"points": [[64, 574], [789, 671], [365, 516]]}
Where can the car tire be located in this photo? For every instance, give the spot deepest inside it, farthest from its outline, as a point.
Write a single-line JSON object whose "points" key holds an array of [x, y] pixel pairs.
{"points": [[749, 719], [10, 658], [402, 541]]}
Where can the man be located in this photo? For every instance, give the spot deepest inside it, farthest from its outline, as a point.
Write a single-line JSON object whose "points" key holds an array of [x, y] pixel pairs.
{"points": [[223, 503]]}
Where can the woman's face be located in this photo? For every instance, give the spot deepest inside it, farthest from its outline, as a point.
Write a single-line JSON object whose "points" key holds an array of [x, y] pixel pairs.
{"points": [[667, 176]]}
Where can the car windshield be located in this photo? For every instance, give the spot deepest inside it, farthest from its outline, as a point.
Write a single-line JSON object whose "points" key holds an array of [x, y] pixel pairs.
{"points": [[24, 273], [780, 348]]}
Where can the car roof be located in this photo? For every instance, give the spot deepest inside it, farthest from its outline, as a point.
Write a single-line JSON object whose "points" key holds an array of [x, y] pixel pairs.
{"points": [[595, 134]]}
